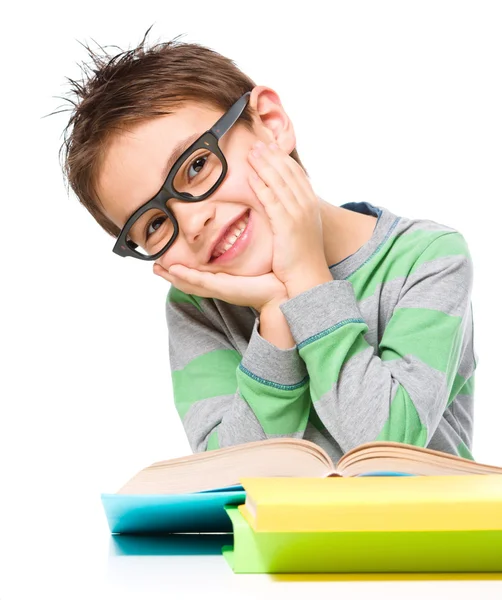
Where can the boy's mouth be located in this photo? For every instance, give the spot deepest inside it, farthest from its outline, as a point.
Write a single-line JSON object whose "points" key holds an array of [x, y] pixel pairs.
{"points": [[223, 243], [226, 249]]}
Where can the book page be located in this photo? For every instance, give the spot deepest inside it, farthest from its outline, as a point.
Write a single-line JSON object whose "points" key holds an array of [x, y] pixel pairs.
{"points": [[405, 458], [281, 457]]}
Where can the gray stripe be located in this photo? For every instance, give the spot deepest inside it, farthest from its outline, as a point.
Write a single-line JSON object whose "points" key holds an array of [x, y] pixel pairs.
{"points": [[445, 284], [377, 309], [236, 422], [462, 410], [467, 356], [348, 410], [293, 434], [442, 287], [273, 364], [328, 444], [446, 438], [327, 305], [407, 226], [191, 335], [426, 386]]}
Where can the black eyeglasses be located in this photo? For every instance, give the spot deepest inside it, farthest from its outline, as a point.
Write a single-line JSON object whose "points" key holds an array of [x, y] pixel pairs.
{"points": [[152, 229]]}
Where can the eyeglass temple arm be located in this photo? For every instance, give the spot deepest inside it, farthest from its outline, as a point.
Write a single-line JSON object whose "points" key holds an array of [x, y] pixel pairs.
{"points": [[228, 119]]}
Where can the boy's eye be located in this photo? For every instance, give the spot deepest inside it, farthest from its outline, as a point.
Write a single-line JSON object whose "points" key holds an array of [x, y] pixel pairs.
{"points": [[198, 173], [157, 226], [151, 231], [154, 225], [197, 165]]}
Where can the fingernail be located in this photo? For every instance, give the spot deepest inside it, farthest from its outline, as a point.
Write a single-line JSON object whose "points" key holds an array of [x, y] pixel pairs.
{"points": [[273, 146]]}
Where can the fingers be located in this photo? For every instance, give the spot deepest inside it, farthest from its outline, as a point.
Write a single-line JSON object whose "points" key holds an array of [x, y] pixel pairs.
{"points": [[283, 176], [273, 205], [234, 289], [189, 281], [201, 283], [301, 177], [274, 185]]}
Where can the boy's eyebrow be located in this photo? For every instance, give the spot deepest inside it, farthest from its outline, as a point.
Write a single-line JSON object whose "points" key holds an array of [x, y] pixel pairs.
{"points": [[177, 152]]}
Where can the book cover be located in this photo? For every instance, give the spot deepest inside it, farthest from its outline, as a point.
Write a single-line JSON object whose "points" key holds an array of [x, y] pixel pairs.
{"points": [[171, 513], [437, 502], [361, 551]]}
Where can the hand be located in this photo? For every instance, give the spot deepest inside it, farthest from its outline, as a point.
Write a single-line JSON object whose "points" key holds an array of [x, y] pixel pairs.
{"points": [[282, 187], [258, 292]]}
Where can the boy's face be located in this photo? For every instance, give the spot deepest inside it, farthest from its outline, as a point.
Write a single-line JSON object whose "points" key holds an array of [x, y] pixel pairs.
{"points": [[131, 175]]}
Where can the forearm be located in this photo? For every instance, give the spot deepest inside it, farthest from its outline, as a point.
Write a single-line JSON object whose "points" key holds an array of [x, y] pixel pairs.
{"points": [[225, 397], [399, 390], [274, 327]]}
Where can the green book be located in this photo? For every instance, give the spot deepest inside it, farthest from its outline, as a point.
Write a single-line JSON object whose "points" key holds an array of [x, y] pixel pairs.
{"points": [[361, 551]]}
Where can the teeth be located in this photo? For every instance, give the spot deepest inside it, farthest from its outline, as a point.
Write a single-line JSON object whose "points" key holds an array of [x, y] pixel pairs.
{"points": [[229, 241]]}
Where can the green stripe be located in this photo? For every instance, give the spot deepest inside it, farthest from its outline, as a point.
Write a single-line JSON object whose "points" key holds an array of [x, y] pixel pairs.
{"points": [[468, 388], [212, 442], [403, 424], [461, 386], [431, 335], [176, 296], [329, 353], [451, 244], [395, 258], [279, 411], [464, 451], [207, 376]]}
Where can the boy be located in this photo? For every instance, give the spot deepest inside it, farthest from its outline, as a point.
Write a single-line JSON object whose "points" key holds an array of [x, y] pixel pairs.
{"points": [[287, 316]]}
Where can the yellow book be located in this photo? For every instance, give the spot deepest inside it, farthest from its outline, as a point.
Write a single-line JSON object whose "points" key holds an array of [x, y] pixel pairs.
{"points": [[434, 503]]}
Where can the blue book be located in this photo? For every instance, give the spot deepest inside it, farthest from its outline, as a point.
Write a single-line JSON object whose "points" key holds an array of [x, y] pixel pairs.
{"points": [[172, 513]]}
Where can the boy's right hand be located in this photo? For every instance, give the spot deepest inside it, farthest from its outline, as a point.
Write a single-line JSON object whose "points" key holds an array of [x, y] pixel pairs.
{"points": [[258, 291]]}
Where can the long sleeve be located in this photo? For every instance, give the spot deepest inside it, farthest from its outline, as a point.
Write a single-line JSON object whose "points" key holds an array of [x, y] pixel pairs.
{"points": [[400, 392], [222, 397]]}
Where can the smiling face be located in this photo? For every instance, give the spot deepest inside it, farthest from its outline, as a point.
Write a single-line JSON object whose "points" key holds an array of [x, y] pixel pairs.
{"points": [[131, 174]]}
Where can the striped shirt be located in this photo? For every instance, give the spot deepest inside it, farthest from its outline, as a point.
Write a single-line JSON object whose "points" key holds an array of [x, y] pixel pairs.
{"points": [[383, 352]]}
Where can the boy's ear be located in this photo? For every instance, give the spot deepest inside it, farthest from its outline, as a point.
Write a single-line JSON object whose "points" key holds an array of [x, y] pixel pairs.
{"points": [[271, 121]]}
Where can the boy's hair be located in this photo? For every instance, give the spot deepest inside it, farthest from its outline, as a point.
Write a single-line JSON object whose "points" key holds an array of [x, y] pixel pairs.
{"points": [[134, 86]]}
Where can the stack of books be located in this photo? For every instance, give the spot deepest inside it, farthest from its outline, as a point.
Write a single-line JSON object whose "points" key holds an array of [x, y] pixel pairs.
{"points": [[368, 524], [384, 507]]}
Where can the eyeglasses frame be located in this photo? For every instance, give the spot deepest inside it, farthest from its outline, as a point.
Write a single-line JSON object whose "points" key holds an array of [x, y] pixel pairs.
{"points": [[209, 140]]}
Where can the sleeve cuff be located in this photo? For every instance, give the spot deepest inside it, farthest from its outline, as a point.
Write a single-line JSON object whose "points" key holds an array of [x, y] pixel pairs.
{"points": [[272, 364], [320, 308]]}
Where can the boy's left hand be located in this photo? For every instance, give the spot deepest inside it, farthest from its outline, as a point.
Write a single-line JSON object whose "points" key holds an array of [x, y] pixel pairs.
{"points": [[282, 187]]}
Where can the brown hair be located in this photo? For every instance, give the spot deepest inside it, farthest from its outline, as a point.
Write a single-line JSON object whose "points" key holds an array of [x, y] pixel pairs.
{"points": [[131, 87]]}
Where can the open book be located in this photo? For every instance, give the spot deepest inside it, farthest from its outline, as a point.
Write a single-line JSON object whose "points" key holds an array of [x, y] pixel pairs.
{"points": [[290, 457]]}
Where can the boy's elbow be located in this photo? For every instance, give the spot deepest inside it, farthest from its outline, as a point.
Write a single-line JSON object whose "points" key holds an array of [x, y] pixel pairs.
{"points": [[204, 443]]}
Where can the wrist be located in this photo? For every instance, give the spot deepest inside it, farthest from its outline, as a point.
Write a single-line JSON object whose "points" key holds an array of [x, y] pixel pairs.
{"points": [[273, 305], [308, 281], [274, 326]]}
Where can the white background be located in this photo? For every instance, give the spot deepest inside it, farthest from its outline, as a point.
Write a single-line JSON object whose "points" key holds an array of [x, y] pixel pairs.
{"points": [[394, 103]]}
